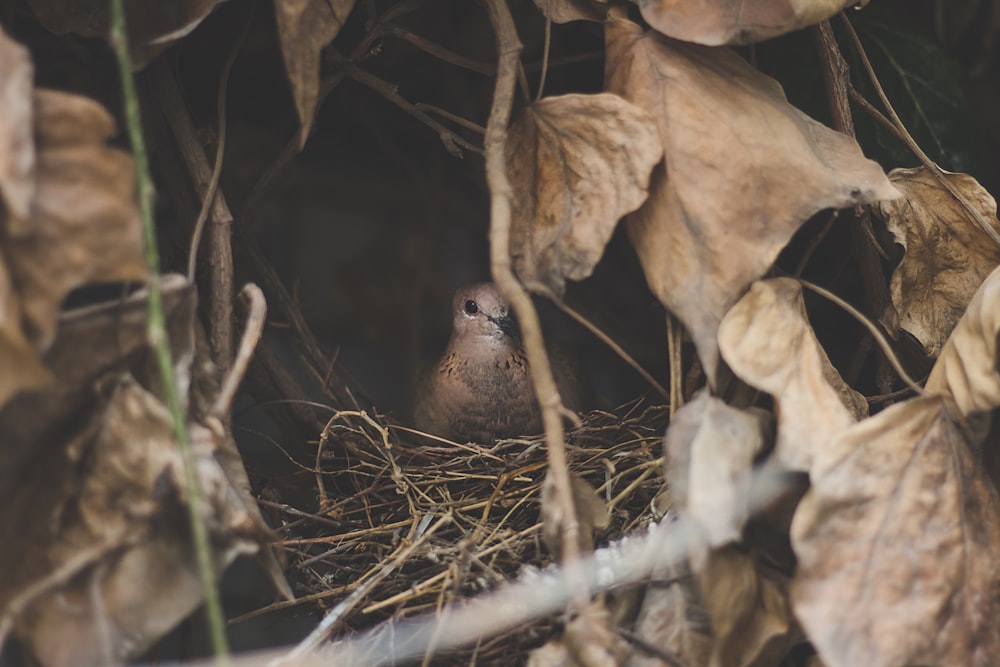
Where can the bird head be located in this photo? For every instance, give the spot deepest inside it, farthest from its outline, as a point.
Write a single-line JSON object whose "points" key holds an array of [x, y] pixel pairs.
{"points": [[480, 310]]}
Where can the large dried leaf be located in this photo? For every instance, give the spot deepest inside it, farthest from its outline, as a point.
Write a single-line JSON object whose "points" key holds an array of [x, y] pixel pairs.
{"points": [[767, 341], [947, 255], [305, 28], [152, 25], [564, 11], [966, 371], [744, 169], [577, 164], [90, 343], [715, 22], [83, 226], [114, 530], [106, 563], [896, 544], [711, 448], [21, 367]]}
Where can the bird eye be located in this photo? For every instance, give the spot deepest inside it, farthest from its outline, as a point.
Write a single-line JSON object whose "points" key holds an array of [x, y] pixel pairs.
{"points": [[471, 307]]}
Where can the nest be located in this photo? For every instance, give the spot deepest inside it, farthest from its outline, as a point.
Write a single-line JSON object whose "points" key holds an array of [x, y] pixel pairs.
{"points": [[419, 525]]}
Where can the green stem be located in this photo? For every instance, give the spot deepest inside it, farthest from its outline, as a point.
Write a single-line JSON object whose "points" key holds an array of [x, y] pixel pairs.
{"points": [[161, 344]]}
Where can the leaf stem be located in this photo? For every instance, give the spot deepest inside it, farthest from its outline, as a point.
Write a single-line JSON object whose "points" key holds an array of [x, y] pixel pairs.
{"points": [[160, 342]]}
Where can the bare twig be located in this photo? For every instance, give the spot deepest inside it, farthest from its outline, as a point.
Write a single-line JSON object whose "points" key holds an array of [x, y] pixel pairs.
{"points": [[440, 52], [444, 113], [256, 314], [501, 196], [453, 143], [615, 347], [545, 58], [220, 149], [220, 294], [907, 138], [874, 330]]}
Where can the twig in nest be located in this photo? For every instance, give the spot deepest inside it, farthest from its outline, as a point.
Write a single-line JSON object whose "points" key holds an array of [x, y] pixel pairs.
{"points": [[538, 594], [331, 620]]}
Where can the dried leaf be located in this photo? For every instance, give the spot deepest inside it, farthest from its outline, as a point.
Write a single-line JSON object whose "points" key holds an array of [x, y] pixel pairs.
{"points": [[744, 169], [305, 28], [966, 372], [577, 164], [716, 22], [109, 334], [83, 226], [767, 341], [947, 254], [896, 543], [110, 556], [564, 11], [17, 148], [22, 369], [710, 452], [152, 25], [107, 563], [751, 622]]}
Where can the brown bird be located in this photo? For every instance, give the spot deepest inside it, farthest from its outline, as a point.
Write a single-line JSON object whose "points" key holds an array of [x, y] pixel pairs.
{"points": [[481, 389]]}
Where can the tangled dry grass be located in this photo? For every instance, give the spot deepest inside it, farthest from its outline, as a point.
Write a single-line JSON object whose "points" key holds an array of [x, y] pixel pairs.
{"points": [[393, 528]]}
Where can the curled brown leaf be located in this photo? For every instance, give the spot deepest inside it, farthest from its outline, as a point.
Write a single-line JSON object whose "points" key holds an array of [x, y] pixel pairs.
{"points": [[83, 225], [577, 164], [716, 22], [947, 255], [305, 28]]}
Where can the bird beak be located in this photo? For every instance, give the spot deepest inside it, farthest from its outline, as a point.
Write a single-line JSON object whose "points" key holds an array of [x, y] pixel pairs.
{"points": [[507, 326]]}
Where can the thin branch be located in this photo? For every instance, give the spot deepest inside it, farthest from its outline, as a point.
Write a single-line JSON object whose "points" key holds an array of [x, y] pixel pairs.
{"points": [[879, 337], [545, 58], [907, 138], [455, 118], [501, 197], [161, 344], [615, 347], [440, 52], [220, 293], [256, 309], [220, 150], [453, 143]]}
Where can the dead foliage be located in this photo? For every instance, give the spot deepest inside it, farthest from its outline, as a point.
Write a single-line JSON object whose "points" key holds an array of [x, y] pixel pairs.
{"points": [[821, 490]]}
